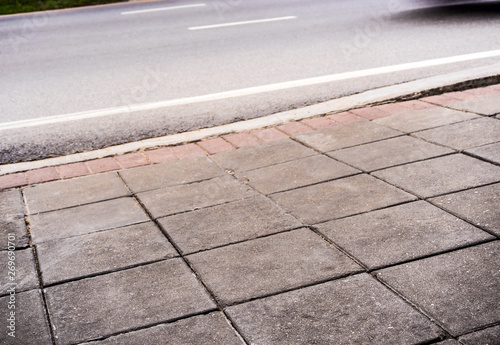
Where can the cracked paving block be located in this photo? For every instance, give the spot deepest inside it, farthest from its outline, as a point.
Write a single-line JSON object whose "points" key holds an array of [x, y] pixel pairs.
{"points": [[24, 277], [171, 200], [464, 135], [479, 206], [488, 336], [490, 152], [441, 175], [116, 302], [488, 105], [31, 326], [390, 152], [78, 191], [353, 310], [347, 135], [400, 233], [227, 223], [101, 252], [85, 219], [419, 120], [211, 329], [269, 265], [262, 155], [297, 173], [170, 174], [458, 289], [12, 219], [340, 198]]}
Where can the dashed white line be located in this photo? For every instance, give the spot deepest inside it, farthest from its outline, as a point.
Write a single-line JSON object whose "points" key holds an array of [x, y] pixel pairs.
{"points": [[241, 23], [164, 9]]}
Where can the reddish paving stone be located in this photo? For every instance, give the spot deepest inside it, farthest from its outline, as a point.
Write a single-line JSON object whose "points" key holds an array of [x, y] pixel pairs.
{"points": [[319, 122], [494, 87], [103, 165], [370, 113], [483, 91], [188, 151], [131, 160], [460, 95], [242, 139], [160, 155], [393, 108], [269, 134], [216, 145], [416, 105], [73, 170], [293, 128], [42, 175], [13, 180], [439, 99], [345, 117]]}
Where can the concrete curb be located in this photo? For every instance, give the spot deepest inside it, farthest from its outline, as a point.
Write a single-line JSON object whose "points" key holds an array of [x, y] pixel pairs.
{"points": [[476, 77]]}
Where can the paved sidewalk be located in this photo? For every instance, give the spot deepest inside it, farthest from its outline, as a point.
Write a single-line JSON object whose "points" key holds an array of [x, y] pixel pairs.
{"points": [[376, 226]]}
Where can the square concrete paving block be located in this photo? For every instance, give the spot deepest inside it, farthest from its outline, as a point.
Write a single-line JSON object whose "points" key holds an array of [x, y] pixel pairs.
{"points": [[459, 289], [297, 173], [480, 206], [171, 200], [31, 326], [424, 119], [85, 219], [386, 153], [78, 191], [488, 336], [269, 265], [170, 174], [100, 306], [340, 198], [490, 152], [351, 134], [354, 310], [488, 105], [262, 155], [464, 135], [401, 233], [12, 219], [441, 175], [228, 223], [24, 277], [101, 252], [211, 329]]}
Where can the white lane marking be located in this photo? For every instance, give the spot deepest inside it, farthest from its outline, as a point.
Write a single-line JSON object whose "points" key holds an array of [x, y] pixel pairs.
{"points": [[245, 92], [163, 9], [241, 23]]}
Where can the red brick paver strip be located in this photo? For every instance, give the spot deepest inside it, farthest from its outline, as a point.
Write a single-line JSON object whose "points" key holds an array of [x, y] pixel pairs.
{"points": [[461, 96], [242, 139], [188, 151], [216, 145], [131, 160], [103, 165], [439, 99], [160, 155], [319, 123], [42, 175], [483, 91], [293, 128], [345, 117], [370, 113], [13, 180], [73, 170], [269, 134]]}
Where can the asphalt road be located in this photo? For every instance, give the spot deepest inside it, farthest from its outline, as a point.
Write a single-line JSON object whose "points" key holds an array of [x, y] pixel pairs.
{"points": [[101, 60]]}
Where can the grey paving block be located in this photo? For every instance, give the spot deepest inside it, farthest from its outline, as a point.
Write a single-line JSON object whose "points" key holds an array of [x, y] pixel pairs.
{"points": [[85, 219], [227, 223], [269, 265], [400, 233], [479, 206], [387, 153], [296, 173], [258, 156], [340, 198], [12, 219], [101, 252], [31, 326], [449, 342], [354, 310], [78, 191], [487, 105], [170, 173], [464, 135], [171, 200], [23, 277], [459, 289], [351, 134], [441, 175], [490, 152], [419, 120], [104, 305], [211, 329], [488, 336]]}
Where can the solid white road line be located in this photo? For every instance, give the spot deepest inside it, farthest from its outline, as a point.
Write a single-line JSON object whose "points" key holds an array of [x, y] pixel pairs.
{"points": [[163, 9], [245, 92], [241, 23]]}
